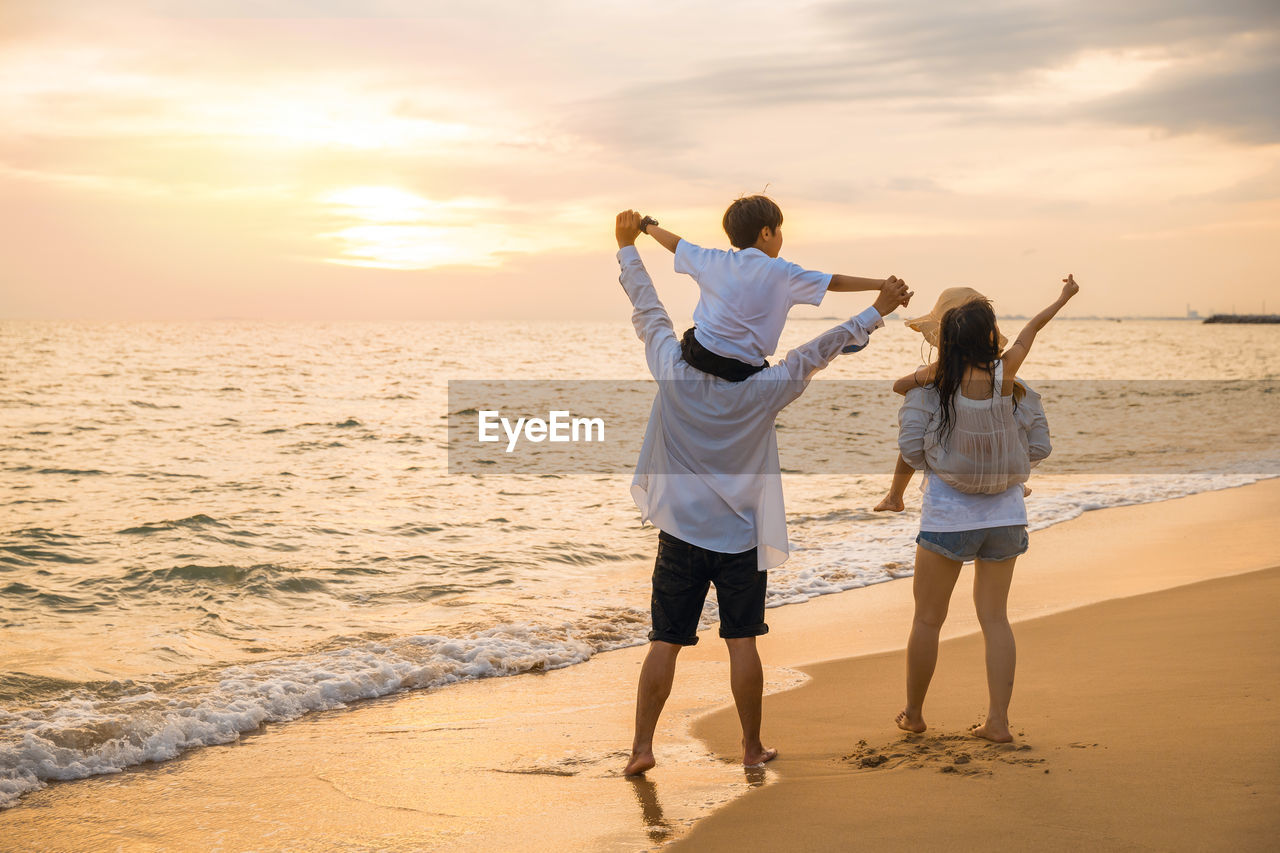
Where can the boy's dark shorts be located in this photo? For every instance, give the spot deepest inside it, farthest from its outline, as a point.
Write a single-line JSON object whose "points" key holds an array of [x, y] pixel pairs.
{"points": [[701, 358], [683, 573]]}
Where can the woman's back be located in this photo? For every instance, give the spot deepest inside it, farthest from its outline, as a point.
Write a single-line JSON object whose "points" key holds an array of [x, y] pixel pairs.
{"points": [[980, 449]]}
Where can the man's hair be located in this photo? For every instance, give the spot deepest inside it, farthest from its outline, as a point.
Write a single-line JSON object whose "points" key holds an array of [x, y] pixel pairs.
{"points": [[747, 215]]}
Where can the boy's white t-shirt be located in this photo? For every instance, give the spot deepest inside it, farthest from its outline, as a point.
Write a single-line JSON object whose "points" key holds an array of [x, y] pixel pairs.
{"points": [[744, 297]]}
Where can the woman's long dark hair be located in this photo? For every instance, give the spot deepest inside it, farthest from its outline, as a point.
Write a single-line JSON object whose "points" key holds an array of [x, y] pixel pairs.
{"points": [[967, 338]]}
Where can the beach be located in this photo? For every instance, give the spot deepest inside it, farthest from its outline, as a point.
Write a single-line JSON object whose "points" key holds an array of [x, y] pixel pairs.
{"points": [[1142, 723], [337, 425], [1147, 630]]}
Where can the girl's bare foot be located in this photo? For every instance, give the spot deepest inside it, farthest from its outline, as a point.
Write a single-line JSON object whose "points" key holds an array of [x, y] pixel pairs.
{"points": [[640, 762], [757, 759], [891, 503], [909, 722], [993, 732]]}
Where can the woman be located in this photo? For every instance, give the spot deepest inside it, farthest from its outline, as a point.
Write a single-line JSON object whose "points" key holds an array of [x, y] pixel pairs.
{"points": [[956, 425]]}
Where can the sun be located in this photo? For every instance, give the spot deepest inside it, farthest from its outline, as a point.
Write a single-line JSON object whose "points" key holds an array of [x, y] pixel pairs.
{"points": [[380, 204], [392, 228]]}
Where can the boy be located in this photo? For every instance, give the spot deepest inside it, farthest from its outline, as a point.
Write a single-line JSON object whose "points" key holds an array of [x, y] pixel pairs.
{"points": [[744, 296]]}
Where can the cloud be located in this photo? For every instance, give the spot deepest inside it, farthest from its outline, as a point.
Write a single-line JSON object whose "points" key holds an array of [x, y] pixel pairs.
{"points": [[992, 41], [1262, 186], [972, 61], [1242, 103]]}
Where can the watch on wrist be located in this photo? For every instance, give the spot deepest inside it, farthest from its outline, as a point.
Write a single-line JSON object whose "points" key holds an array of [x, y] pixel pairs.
{"points": [[646, 222]]}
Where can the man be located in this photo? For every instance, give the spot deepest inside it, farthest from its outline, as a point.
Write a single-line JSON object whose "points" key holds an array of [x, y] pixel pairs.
{"points": [[708, 478]]}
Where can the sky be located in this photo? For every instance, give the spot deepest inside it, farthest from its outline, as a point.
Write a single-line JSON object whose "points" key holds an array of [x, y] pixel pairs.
{"points": [[409, 160]]}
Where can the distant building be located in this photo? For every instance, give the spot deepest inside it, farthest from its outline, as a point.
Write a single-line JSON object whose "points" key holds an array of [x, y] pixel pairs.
{"points": [[1191, 314]]}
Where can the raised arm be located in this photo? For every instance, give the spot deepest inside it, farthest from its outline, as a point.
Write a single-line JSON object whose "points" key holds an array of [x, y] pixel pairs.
{"points": [[787, 379], [662, 235], [1016, 354], [648, 316], [846, 283]]}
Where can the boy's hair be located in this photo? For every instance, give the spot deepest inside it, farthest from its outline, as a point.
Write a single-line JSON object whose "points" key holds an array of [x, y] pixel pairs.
{"points": [[747, 215]]}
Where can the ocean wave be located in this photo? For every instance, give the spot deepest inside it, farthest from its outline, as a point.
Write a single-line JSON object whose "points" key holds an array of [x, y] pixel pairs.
{"points": [[840, 562], [56, 601], [306, 446], [198, 521], [85, 735], [222, 582], [47, 551]]}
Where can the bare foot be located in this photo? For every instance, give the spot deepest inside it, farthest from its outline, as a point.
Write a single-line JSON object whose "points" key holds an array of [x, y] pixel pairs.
{"points": [[913, 723], [992, 732], [758, 759], [891, 503], [639, 763], [1026, 492]]}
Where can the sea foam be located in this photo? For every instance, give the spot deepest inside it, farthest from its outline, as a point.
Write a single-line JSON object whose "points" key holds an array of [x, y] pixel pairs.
{"points": [[76, 738]]}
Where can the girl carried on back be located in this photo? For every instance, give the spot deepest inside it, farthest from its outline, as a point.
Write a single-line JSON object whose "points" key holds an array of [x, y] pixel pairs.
{"points": [[989, 428]]}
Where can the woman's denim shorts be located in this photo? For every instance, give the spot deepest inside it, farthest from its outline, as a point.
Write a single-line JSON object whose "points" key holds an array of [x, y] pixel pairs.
{"points": [[990, 544]]}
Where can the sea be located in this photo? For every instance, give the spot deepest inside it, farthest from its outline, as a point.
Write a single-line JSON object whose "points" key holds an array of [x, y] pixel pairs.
{"points": [[205, 527]]}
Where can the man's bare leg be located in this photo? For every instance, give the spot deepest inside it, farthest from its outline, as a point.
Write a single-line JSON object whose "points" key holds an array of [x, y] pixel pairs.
{"points": [[746, 677], [656, 675], [935, 578]]}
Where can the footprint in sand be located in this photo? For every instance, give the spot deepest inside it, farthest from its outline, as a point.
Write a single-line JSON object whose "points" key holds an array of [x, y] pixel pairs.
{"points": [[574, 764], [948, 753]]}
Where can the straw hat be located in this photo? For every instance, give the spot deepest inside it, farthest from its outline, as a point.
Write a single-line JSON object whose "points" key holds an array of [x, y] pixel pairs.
{"points": [[953, 297]]}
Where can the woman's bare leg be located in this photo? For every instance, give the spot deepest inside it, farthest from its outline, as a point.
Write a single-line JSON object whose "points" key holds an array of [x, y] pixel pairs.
{"points": [[991, 599], [895, 501], [935, 578]]}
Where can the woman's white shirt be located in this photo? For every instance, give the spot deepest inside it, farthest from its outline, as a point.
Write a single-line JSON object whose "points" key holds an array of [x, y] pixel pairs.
{"points": [[945, 509]]}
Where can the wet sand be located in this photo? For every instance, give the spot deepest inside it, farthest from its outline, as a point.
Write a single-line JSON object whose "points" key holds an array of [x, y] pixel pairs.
{"points": [[532, 761]]}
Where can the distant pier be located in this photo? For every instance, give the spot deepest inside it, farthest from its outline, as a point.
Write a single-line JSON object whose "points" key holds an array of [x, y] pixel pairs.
{"points": [[1243, 318]]}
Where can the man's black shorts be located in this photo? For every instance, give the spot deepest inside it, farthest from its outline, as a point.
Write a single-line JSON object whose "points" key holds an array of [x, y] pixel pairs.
{"points": [[682, 574]]}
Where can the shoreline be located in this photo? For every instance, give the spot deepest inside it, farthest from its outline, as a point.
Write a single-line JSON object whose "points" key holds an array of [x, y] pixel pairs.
{"points": [[534, 760], [285, 689]]}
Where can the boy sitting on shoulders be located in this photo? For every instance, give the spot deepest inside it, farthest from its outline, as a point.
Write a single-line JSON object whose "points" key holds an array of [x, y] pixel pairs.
{"points": [[744, 295]]}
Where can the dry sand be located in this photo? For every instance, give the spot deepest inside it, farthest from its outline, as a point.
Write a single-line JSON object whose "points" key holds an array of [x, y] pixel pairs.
{"points": [[1178, 690], [1143, 723]]}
